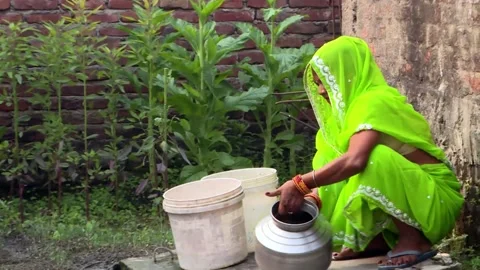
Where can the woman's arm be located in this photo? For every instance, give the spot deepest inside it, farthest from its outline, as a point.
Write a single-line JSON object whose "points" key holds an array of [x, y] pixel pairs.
{"points": [[349, 164]]}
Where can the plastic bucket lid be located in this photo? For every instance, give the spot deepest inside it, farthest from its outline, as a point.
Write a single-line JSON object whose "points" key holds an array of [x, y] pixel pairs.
{"points": [[250, 177], [200, 194]]}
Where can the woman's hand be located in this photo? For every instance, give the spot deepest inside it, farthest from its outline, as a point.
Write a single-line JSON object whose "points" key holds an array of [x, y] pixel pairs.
{"points": [[291, 200]]}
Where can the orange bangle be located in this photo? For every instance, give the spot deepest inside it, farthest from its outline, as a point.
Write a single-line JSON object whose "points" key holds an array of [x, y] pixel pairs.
{"points": [[301, 186], [317, 199]]}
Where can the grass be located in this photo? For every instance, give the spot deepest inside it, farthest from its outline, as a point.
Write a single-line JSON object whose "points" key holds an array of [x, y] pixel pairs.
{"points": [[69, 240]]}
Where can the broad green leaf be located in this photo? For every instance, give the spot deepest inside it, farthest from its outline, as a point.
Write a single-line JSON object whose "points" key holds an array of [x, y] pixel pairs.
{"points": [[254, 34], [19, 78], [159, 17], [296, 143], [282, 26], [24, 118], [196, 6], [124, 152], [191, 173], [271, 13], [284, 135], [244, 78], [241, 163], [184, 105], [211, 7], [287, 61], [188, 31], [226, 159], [246, 100]]}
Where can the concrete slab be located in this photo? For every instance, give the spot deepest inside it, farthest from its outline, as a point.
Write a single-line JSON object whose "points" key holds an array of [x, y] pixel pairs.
{"points": [[165, 262]]}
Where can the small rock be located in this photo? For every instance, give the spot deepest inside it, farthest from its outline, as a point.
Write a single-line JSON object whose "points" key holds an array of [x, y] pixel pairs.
{"points": [[443, 259]]}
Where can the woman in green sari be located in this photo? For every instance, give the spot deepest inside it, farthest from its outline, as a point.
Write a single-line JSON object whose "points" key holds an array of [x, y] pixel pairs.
{"points": [[383, 182]]}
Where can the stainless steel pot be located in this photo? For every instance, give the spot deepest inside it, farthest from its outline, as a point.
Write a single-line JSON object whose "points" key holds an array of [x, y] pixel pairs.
{"points": [[285, 245]]}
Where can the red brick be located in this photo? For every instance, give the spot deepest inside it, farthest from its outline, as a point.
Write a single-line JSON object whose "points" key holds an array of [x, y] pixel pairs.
{"points": [[42, 17], [319, 14], [233, 4], [104, 17], [5, 119], [4, 4], [35, 4], [310, 14], [256, 57], [185, 4], [77, 90], [225, 28], [309, 3], [112, 31], [186, 15], [76, 117], [263, 26], [10, 17], [291, 41], [334, 27], [319, 40], [229, 60], [263, 3], [112, 42], [90, 4], [250, 44], [234, 16], [120, 4], [129, 16], [23, 105], [307, 28]]}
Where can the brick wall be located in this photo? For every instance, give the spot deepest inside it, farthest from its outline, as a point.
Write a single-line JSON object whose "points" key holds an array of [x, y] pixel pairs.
{"points": [[317, 29], [430, 50]]}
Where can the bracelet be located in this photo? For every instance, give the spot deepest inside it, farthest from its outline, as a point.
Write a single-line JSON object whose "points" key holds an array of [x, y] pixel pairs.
{"points": [[300, 185], [317, 200], [314, 181]]}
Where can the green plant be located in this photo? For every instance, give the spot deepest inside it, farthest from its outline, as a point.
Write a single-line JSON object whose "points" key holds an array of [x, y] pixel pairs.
{"points": [[205, 98], [16, 57], [280, 65], [145, 47], [54, 58], [116, 154], [86, 43]]}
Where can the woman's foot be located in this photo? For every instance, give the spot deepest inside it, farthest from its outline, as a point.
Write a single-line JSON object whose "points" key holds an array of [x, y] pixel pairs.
{"points": [[377, 247], [410, 239]]}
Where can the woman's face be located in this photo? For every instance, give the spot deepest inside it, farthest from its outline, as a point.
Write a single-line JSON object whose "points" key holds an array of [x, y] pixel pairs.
{"points": [[321, 89]]}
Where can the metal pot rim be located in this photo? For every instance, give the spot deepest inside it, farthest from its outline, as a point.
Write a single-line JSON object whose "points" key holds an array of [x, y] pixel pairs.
{"points": [[308, 207]]}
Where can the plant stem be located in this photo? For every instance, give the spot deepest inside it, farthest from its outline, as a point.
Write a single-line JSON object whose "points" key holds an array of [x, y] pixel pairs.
{"points": [[85, 142], [165, 127], [113, 131], [201, 49], [292, 164], [16, 150], [57, 168], [267, 151], [151, 152], [20, 203]]}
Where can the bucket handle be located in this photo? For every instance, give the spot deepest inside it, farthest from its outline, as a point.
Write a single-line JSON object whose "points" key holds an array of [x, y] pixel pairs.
{"points": [[172, 254]]}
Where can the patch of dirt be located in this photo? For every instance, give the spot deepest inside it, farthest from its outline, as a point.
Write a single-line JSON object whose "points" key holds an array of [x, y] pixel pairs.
{"points": [[22, 253]]}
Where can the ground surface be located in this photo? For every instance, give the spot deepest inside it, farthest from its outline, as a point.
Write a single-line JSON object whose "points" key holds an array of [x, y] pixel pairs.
{"points": [[165, 263], [21, 253]]}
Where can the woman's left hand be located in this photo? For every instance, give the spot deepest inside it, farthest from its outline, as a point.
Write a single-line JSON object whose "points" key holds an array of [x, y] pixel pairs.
{"points": [[291, 200]]}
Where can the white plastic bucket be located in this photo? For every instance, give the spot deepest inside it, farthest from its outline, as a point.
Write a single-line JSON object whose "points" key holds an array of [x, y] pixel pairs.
{"points": [[256, 206], [207, 222]]}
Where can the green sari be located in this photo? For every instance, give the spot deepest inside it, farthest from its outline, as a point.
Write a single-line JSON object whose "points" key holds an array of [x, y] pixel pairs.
{"points": [[426, 197]]}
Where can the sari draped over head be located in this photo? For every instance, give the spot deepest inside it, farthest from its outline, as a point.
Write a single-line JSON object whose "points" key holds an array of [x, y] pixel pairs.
{"points": [[360, 99]]}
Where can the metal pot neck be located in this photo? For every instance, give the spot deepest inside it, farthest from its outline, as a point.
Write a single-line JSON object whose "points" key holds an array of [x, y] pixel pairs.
{"points": [[307, 207]]}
